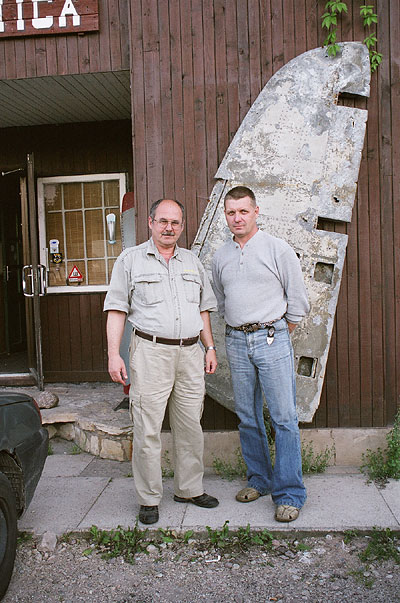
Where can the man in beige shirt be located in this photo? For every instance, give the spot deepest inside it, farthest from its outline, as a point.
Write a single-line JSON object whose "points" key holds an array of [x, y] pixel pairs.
{"points": [[164, 292]]}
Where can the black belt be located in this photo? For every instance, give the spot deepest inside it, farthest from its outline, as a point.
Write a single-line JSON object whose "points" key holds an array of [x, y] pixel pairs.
{"points": [[187, 341], [251, 327]]}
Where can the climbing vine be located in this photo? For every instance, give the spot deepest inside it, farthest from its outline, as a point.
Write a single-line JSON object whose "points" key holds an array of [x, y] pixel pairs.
{"points": [[333, 8]]}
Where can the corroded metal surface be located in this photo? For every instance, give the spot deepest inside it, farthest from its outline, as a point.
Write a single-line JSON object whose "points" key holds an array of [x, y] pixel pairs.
{"points": [[300, 153]]}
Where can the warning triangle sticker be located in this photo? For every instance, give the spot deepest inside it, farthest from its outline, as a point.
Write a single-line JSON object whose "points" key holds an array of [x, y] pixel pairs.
{"points": [[75, 276]]}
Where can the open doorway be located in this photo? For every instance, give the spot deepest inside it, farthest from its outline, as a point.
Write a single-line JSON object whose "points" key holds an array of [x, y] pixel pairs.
{"points": [[13, 333]]}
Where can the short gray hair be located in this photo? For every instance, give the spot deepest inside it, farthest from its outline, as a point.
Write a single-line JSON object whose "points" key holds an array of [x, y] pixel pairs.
{"points": [[154, 206]]}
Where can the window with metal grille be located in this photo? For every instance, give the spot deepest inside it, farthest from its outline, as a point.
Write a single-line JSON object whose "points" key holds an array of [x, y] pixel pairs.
{"points": [[74, 237]]}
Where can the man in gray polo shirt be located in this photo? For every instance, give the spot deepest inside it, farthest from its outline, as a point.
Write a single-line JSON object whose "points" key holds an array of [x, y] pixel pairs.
{"points": [[260, 291], [164, 292]]}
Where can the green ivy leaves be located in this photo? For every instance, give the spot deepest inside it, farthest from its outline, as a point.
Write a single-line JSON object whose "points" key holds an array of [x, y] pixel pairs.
{"points": [[334, 8]]}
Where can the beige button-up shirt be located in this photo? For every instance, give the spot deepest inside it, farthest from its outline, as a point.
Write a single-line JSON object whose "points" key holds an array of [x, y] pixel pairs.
{"points": [[160, 298]]}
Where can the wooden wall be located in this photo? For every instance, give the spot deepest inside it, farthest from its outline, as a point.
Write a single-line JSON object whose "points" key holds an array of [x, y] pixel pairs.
{"points": [[197, 66], [73, 325], [105, 50]]}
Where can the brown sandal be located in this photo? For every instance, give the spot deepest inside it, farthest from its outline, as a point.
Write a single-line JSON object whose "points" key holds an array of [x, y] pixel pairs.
{"points": [[247, 495]]}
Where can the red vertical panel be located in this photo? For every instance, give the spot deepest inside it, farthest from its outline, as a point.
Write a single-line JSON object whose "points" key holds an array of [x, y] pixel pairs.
{"points": [[62, 55], [188, 119], [266, 40], [200, 147], [232, 65], [96, 310], [138, 121], [20, 58], [9, 60], [77, 332], [177, 98], [220, 69], [124, 32], [343, 341], [39, 45], [115, 40], [104, 17], [72, 53], [360, 352], [254, 49], [166, 101], [30, 57], [313, 25], [300, 33], [384, 95], [243, 56], [51, 54], [394, 403], [210, 91], [83, 54], [86, 341], [152, 100], [277, 35], [289, 31]]}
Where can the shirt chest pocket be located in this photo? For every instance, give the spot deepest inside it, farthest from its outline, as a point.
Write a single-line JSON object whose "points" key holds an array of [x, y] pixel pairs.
{"points": [[148, 289], [191, 287]]}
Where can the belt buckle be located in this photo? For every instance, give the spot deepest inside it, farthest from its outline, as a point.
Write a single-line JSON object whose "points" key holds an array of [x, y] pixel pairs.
{"points": [[252, 328]]}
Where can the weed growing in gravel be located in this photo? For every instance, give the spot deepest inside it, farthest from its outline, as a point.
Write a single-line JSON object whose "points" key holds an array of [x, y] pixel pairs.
{"points": [[166, 468], [50, 450], [380, 465], [228, 470], [23, 537], [75, 449], [349, 535], [363, 577], [242, 540], [382, 546], [119, 543]]}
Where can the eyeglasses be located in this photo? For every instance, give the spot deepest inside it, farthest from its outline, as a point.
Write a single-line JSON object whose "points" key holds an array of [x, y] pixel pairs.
{"points": [[164, 223]]}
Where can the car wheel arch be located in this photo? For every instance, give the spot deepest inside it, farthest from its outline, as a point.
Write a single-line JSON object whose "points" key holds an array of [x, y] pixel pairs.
{"points": [[12, 469]]}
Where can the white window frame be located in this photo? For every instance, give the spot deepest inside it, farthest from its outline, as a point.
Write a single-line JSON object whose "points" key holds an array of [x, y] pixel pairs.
{"points": [[44, 255]]}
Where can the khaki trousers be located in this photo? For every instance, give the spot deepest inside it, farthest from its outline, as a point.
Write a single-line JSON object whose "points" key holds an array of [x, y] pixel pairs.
{"points": [[160, 373]]}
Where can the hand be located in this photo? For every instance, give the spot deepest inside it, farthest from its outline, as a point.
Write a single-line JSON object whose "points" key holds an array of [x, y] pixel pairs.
{"points": [[117, 369], [211, 361], [291, 326]]}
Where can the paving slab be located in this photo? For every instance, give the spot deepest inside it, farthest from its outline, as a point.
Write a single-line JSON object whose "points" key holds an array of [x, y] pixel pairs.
{"points": [[391, 495], [343, 502], [117, 506], [57, 466], [61, 503], [259, 513], [107, 468]]}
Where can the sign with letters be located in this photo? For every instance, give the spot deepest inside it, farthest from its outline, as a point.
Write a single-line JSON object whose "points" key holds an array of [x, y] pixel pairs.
{"points": [[40, 17]]}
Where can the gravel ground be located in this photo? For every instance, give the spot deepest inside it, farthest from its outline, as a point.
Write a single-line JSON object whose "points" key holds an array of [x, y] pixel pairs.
{"points": [[311, 569]]}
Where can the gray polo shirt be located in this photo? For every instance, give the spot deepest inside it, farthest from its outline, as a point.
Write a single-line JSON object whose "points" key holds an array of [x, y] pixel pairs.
{"points": [[259, 283], [160, 298]]}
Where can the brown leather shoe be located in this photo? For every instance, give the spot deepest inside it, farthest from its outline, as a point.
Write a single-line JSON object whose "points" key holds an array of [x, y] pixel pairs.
{"points": [[204, 500], [148, 514]]}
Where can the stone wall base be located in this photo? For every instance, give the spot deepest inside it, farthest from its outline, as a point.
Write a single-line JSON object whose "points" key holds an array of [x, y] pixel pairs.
{"points": [[348, 445]]}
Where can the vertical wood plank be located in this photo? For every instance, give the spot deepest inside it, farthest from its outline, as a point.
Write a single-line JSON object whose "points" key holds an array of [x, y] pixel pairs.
{"points": [[166, 101], [210, 91]]}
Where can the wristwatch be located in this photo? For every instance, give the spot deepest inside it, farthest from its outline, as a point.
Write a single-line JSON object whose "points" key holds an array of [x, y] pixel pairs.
{"points": [[211, 347]]}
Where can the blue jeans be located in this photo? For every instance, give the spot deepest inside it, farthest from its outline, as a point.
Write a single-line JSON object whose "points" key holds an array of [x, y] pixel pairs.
{"points": [[257, 368]]}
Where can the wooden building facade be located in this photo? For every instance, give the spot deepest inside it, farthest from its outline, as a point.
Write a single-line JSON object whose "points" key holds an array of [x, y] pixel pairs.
{"points": [[148, 101]]}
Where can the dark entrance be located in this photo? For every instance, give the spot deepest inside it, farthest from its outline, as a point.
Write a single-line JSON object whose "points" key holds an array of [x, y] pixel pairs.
{"points": [[13, 334]]}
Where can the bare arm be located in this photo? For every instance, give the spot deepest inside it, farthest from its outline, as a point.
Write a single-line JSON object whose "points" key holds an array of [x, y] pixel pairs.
{"points": [[115, 330], [207, 339]]}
